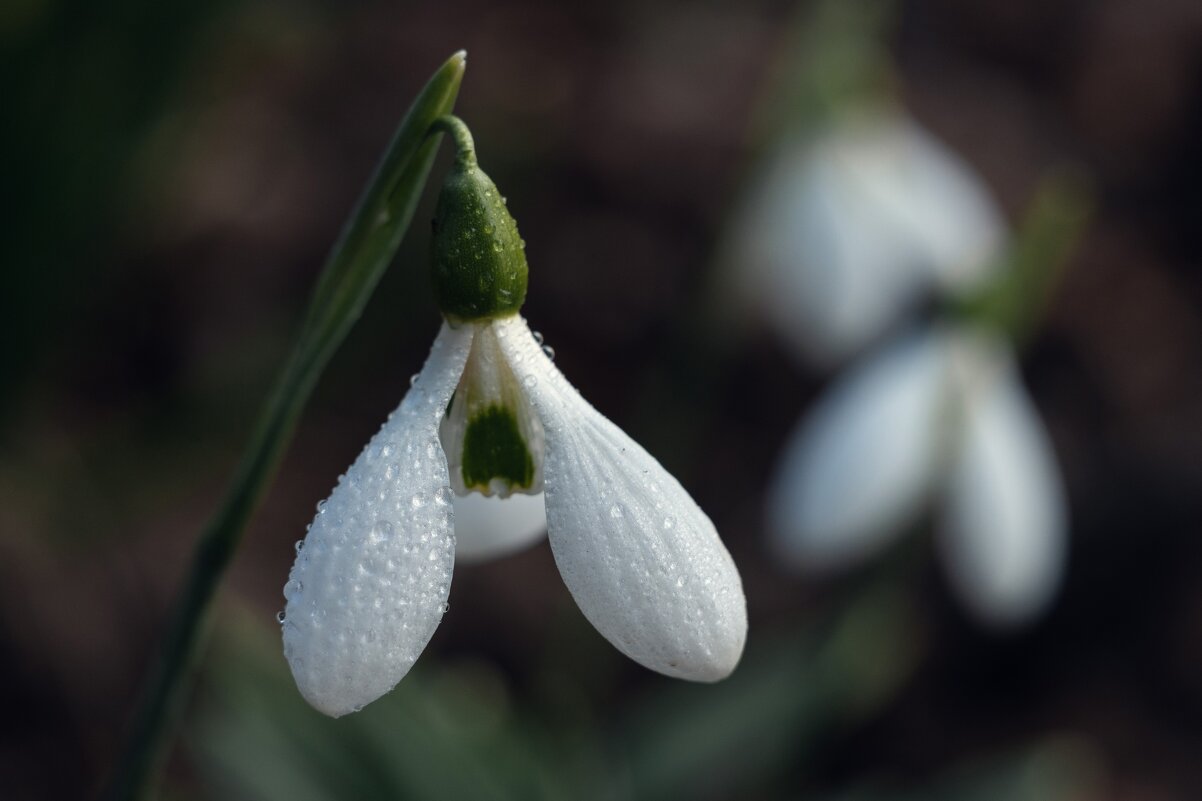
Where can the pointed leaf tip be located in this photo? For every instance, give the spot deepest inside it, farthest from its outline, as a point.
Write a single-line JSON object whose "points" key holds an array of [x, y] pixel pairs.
{"points": [[457, 63]]}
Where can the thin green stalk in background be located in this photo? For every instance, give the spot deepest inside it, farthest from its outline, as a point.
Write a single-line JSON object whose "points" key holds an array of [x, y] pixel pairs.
{"points": [[358, 260], [1014, 303]]}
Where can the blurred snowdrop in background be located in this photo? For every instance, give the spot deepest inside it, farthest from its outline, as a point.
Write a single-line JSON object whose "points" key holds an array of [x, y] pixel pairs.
{"points": [[940, 416], [850, 226], [864, 239]]}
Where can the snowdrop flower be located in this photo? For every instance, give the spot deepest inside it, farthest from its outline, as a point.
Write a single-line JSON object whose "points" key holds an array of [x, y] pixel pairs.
{"points": [[491, 432], [937, 416], [849, 226]]}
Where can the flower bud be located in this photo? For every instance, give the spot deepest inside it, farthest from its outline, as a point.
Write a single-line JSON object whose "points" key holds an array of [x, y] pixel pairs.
{"points": [[478, 258]]}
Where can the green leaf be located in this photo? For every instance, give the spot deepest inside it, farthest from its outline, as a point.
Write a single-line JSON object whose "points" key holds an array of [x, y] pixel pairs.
{"points": [[362, 253]]}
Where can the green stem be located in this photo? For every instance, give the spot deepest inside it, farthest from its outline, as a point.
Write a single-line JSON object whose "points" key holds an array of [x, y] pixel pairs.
{"points": [[465, 146], [357, 261], [1014, 302]]}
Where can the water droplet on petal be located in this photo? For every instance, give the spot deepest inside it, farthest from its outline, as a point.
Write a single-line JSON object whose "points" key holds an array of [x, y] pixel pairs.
{"points": [[382, 530], [300, 546], [279, 618], [616, 512], [321, 507], [538, 337], [529, 380], [413, 379], [550, 351]]}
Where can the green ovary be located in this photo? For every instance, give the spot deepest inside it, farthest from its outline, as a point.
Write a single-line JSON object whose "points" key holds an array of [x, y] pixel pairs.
{"points": [[493, 448]]}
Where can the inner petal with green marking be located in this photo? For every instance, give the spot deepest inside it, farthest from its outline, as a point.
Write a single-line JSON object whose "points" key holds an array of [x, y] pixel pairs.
{"points": [[491, 434]]}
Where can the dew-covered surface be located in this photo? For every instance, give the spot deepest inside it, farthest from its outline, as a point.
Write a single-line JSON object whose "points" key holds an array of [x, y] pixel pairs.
{"points": [[372, 577], [642, 560]]}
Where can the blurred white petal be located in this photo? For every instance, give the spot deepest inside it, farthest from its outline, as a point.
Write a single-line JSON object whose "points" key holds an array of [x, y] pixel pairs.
{"points": [[642, 560], [491, 527], [944, 216], [856, 472], [371, 583], [1004, 524], [849, 229]]}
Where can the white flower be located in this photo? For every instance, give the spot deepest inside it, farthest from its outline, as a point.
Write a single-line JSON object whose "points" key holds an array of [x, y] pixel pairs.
{"points": [[849, 228], [371, 582], [938, 415]]}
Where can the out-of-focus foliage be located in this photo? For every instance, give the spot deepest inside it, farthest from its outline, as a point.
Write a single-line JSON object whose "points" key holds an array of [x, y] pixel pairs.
{"points": [[83, 84], [1056, 769], [449, 732], [459, 730]]}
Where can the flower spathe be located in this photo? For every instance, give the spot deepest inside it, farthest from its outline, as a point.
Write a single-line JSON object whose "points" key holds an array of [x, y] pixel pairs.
{"points": [[641, 559]]}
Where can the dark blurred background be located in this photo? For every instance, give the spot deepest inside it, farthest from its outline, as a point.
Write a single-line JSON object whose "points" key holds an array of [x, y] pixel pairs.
{"points": [[176, 174]]}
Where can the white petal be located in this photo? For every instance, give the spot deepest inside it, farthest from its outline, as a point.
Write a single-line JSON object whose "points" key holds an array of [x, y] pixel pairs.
{"points": [[491, 527], [849, 229], [371, 583], [641, 559], [858, 469], [1003, 528]]}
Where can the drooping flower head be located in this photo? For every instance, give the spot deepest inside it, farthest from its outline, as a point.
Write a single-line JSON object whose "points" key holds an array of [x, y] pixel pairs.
{"points": [[937, 419], [491, 430], [856, 221]]}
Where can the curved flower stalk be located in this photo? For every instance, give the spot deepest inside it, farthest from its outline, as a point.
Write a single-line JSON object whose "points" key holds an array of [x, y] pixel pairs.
{"points": [[492, 432], [850, 226], [938, 416]]}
